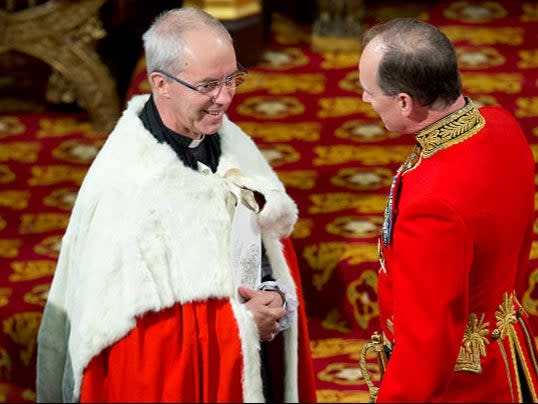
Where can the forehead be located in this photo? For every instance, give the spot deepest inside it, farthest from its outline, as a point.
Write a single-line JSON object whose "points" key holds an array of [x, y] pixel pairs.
{"points": [[208, 51], [372, 53], [369, 62]]}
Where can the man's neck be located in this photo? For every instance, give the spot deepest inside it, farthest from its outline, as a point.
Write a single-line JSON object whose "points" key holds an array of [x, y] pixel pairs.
{"points": [[432, 114]]}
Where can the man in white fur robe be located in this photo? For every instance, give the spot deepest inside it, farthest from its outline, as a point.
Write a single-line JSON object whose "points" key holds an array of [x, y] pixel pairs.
{"points": [[144, 304]]}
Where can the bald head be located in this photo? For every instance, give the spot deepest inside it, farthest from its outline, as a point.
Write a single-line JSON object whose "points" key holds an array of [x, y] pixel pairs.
{"points": [[417, 59]]}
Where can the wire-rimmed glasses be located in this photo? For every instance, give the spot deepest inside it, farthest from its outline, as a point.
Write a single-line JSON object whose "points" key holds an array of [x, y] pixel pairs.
{"points": [[234, 80]]}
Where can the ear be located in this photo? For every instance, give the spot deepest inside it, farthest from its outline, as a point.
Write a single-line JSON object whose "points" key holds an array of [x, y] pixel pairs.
{"points": [[406, 104], [158, 83], [411, 109]]}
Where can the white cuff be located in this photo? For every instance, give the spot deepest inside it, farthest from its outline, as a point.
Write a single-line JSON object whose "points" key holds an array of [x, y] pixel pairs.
{"points": [[290, 302]]}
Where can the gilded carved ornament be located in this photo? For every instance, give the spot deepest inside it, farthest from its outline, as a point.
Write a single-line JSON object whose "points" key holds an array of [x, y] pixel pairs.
{"points": [[63, 34]]}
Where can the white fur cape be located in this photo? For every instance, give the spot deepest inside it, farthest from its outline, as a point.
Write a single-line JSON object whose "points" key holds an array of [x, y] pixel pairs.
{"points": [[145, 233]]}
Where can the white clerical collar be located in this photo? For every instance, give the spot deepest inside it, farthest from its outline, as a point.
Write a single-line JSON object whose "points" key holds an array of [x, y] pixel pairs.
{"points": [[196, 142]]}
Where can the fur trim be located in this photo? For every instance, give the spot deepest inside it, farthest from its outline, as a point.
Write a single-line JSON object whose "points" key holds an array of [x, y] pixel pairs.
{"points": [[279, 213], [125, 229], [250, 343]]}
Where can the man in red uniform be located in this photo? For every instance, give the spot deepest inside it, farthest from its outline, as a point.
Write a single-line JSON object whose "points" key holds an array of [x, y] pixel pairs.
{"points": [[457, 232], [176, 280]]}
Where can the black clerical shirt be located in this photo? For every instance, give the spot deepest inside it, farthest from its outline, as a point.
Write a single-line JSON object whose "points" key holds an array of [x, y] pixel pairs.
{"points": [[207, 152]]}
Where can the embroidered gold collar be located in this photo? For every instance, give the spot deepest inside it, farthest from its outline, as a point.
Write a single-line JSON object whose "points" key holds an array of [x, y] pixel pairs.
{"points": [[452, 129]]}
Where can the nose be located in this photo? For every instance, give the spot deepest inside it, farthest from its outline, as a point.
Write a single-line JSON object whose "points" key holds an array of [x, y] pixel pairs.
{"points": [[365, 97], [223, 94]]}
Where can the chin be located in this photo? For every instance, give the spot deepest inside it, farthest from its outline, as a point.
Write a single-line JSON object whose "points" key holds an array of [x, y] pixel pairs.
{"points": [[209, 129], [212, 127]]}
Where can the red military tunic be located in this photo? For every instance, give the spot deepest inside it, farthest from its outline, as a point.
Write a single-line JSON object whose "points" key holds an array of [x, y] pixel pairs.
{"points": [[454, 253]]}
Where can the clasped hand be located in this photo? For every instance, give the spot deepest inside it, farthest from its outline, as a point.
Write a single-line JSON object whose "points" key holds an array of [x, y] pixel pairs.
{"points": [[266, 308]]}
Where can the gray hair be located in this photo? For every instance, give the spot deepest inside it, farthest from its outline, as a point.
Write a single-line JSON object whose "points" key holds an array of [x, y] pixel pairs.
{"points": [[164, 40]]}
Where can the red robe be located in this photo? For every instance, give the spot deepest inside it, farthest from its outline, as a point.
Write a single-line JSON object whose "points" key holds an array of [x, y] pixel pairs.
{"points": [[457, 242], [190, 353], [138, 285]]}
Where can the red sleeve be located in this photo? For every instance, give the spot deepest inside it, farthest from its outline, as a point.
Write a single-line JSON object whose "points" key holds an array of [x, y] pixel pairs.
{"points": [[522, 282], [429, 283]]}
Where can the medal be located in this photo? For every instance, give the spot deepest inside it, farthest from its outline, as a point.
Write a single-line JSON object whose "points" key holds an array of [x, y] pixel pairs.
{"points": [[390, 208], [392, 201]]}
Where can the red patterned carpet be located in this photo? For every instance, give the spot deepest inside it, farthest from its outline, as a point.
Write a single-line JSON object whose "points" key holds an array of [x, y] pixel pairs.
{"points": [[304, 110]]}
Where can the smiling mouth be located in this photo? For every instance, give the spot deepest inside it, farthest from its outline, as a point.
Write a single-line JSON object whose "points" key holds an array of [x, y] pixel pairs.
{"points": [[214, 113]]}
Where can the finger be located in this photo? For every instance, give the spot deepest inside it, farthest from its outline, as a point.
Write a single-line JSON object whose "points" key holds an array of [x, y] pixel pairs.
{"points": [[276, 298], [277, 311], [274, 332], [246, 293]]}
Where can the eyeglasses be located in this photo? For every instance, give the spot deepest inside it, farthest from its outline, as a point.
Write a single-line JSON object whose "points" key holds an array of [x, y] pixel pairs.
{"points": [[232, 81]]}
